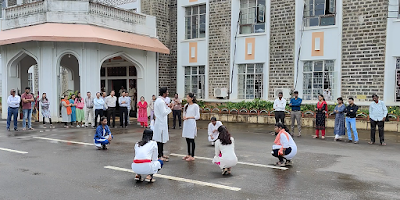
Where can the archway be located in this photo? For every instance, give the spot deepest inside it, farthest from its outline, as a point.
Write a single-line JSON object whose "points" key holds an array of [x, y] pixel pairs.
{"points": [[69, 74]]}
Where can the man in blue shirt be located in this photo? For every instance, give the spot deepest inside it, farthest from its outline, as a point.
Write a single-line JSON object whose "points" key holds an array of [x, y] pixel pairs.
{"points": [[295, 103], [377, 115]]}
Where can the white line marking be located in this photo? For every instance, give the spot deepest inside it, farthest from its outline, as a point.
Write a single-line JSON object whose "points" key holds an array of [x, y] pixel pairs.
{"points": [[65, 141], [14, 151], [243, 163], [180, 179]]}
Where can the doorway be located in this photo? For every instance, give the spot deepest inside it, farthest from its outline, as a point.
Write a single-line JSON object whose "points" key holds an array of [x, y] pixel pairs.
{"points": [[116, 85]]}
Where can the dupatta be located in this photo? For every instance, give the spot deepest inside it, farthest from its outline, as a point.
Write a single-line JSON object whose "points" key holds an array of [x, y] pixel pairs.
{"points": [[69, 111]]}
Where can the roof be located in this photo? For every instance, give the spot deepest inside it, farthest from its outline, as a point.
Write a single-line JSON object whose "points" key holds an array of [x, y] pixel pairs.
{"points": [[55, 32]]}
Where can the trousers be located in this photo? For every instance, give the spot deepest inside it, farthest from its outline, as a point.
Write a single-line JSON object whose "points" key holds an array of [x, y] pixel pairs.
{"points": [[381, 126], [280, 116], [296, 115], [89, 115]]}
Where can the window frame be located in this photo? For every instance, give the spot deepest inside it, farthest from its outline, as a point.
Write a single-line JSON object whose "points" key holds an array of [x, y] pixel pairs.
{"points": [[331, 81], [307, 17], [30, 80], [201, 81], [257, 93], [256, 21], [198, 25], [397, 79]]}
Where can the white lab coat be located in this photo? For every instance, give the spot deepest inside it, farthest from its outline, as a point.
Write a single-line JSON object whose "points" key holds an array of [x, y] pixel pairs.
{"points": [[149, 151], [211, 128], [161, 111], [189, 126]]}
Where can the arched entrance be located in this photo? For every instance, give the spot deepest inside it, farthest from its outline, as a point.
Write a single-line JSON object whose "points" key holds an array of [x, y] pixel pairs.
{"points": [[21, 73], [69, 77]]}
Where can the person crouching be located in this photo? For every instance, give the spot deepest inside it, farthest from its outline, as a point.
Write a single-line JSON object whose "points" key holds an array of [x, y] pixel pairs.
{"points": [[284, 148], [146, 158], [213, 130], [103, 136], [225, 156]]}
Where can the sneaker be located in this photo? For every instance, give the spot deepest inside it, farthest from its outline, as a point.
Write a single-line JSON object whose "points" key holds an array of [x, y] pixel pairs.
{"points": [[15, 129], [289, 163], [78, 126], [8, 129], [355, 142]]}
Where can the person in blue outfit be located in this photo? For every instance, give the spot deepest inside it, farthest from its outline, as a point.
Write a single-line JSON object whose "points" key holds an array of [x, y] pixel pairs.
{"points": [[351, 114], [103, 135], [339, 129]]}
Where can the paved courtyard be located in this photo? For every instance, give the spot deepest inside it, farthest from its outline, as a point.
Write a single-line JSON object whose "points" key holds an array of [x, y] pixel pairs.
{"points": [[63, 164]]}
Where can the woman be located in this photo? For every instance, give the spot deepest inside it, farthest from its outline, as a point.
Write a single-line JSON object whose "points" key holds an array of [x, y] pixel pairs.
{"points": [[80, 114], [73, 109], [225, 156], [142, 108], [151, 106], [191, 113], [321, 110], [146, 158], [103, 135], [45, 107], [66, 111], [284, 147], [339, 129], [213, 130]]}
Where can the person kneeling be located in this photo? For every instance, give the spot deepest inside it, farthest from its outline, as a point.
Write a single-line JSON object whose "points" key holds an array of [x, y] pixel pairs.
{"points": [[103, 136], [225, 156], [284, 147], [146, 158]]}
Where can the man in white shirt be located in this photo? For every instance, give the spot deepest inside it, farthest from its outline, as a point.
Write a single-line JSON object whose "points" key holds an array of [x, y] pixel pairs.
{"points": [[124, 107], [377, 115], [111, 103], [13, 102], [279, 108]]}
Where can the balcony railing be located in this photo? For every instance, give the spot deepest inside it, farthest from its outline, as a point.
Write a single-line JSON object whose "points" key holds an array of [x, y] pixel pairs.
{"points": [[24, 10], [116, 13]]}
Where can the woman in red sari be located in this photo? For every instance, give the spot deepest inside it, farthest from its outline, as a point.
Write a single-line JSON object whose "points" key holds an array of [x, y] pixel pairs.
{"points": [[142, 109], [321, 110]]}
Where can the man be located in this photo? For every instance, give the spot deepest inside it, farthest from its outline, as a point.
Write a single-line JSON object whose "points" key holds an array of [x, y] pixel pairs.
{"points": [[121, 90], [279, 108], [132, 95], [98, 107], [27, 99], [295, 103], [89, 102], [104, 96], [111, 103], [377, 115], [161, 111], [351, 114], [13, 102], [103, 136], [124, 107], [177, 110]]}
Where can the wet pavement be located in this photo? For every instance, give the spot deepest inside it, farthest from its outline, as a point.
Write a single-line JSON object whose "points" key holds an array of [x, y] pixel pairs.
{"points": [[49, 165]]}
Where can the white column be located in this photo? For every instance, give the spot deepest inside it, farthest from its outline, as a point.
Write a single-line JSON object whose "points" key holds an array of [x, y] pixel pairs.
{"points": [[4, 93], [90, 74]]}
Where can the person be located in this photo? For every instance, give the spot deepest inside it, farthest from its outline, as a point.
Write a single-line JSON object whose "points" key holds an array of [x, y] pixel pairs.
{"points": [[151, 106], [295, 115], [89, 102], [146, 160], [73, 109], [34, 114], [161, 111], [377, 115], [213, 130], [121, 90], [104, 96], [321, 110], [225, 156], [27, 99], [45, 108], [124, 106], [142, 116], [191, 113], [111, 103], [177, 111], [284, 147], [80, 114], [132, 96], [279, 108], [167, 102], [339, 129], [351, 114], [103, 135], [13, 102], [327, 94], [66, 111], [98, 107]]}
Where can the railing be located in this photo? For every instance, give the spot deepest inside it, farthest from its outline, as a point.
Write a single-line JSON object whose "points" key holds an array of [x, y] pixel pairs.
{"points": [[25, 10], [116, 13]]}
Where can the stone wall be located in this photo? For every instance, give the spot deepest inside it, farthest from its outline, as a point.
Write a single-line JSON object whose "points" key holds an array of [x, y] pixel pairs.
{"points": [[363, 47], [282, 45]]}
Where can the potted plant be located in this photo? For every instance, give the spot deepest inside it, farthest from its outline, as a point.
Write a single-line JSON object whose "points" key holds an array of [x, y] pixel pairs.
{"points": [[308, 111]]}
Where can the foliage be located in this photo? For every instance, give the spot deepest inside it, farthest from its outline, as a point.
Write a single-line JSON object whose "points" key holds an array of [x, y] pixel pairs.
{"points": [[71, 93], [331, 108], [201, 104], [364, 111], [308, 107], [394, 110]]}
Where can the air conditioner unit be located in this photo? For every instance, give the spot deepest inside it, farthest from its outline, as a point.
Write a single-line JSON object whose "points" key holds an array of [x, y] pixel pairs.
{"points": [[285, 91], [220, 92]]}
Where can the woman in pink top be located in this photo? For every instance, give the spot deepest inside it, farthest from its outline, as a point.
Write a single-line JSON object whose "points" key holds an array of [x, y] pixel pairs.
{"points": [[142, 107], [80, 114]]}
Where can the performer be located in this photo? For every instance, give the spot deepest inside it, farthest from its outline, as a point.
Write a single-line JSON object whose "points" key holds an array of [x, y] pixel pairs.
{"points": [[191, 113], [225, 156], [213, 130], [103, 136], [284, 147], [146, 158]]}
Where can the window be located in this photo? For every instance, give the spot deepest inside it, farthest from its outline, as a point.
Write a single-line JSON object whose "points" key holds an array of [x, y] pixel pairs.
{"points": [[252, 16], [250, 78], [195, 19], [194, 81], [319, 78], [30, 82], [319, 12], [397, 80]]}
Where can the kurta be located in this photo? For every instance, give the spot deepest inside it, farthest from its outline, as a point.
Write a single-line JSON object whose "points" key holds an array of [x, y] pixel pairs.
{"points": [[73, 109], [45, 108], [340, 121], [142, 116], [320, 115], [161, 111], [213, 131], [225, 156], [189, 125], [64, 114], [284, 140], [102, 135], [149, 151]]}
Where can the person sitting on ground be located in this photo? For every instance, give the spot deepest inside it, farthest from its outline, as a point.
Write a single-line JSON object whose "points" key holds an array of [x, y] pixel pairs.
{"points": [[225, 156], [284, 147], [103, 136], [146, 158], [213, 130]]}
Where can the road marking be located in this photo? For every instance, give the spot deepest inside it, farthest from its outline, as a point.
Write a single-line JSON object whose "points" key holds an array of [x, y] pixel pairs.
{"points": [[65, 141], [243, 163], [180, 179], [14, 151]]}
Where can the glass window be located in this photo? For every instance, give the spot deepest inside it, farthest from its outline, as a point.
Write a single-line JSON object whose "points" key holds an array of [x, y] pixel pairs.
{"points": [[320, 13], [195, 80], [398, 80], [252, 16], [318, 78], [30, 82], [195, 22], [250, 81]]}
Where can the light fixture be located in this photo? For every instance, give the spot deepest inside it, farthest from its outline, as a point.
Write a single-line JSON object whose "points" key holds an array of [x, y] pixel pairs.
{"points": [[69, 55]]}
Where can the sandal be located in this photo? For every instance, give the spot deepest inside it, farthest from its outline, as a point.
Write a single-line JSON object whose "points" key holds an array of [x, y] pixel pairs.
{"points": [[229, 170], [224, 171], [186, 157], [383, 144], [323, 137], [280, 164], [190, 158], [150, 179], [315, 137], [138, 178], [288, 163], [371, 143]]}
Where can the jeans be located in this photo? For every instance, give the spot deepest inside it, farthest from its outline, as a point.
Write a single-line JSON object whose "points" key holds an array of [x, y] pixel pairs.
{"points": [[296, 115], [351, 125], [27, 114], [177, 114], [123, 116], [381, 126], [97, 112], [12, 112]]}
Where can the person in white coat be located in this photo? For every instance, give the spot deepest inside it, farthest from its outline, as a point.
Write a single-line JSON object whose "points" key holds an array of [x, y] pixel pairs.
{"points": [[146, 160], [225, 156], [161, 111], [284, 148], [191, 113], [213, 130]]}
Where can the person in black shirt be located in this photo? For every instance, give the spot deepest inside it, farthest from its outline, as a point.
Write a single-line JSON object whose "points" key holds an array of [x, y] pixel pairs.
{"points": [[351, 113]]}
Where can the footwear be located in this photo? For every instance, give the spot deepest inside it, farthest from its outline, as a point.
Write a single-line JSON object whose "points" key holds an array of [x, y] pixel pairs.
{"points": [[150, 179], [99, 148], [280, 164], [323, 137], [104, 147], [288, 163], [371, 143], [299, 135], [180, 127], [31, 129], [315, 137], [229, 170], [44, 126], [383, 144], [349, 141], [24, 129], [190, 159], [355, 142], [8, 129], [185, 157], [224, 171], [212, 143], [78, 126], [173, 127], [15, 129], [138, 178]]}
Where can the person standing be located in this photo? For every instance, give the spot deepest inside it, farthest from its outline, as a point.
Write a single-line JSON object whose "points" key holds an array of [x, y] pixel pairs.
{"points": [[151, 106], [295, 115], [124, 107], [98, 107], [80, 114], [321, 110], [279, 108], [168, 102], [339, 129], [66, 111], [45, 108], [104, 96], [13, 102], [191, 113], [225, 156], [351, 114], [377, 115], [177, 111], [103, 136], [27, 99], [73, 109], [213, 130], [111, 103], [132, 96], [89, 101], [121, 90], [142, 109]]}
